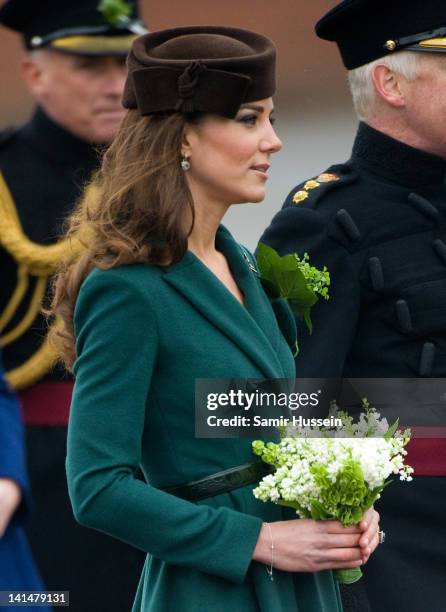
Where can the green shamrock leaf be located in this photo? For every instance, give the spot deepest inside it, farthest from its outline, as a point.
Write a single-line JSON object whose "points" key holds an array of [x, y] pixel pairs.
{"points": [[115, 12], [292, 279]]}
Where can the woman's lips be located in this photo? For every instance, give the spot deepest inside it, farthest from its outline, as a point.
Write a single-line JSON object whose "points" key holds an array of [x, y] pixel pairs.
{"points": [[261, 170]]}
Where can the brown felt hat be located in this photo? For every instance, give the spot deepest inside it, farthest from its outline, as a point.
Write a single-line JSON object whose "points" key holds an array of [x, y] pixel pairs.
{"points": [[208, 69]]}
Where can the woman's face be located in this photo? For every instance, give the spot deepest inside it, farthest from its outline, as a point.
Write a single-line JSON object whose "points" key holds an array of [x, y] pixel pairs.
{"points": [[230, 158]]}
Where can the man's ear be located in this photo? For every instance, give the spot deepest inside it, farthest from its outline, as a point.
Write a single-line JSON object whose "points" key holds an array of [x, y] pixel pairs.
{"points": [[32, 70], [387, 84]]}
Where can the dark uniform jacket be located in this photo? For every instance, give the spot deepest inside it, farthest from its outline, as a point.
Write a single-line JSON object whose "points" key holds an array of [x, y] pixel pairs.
{"points": [[43, 172], [378, 223], [43, 168]]}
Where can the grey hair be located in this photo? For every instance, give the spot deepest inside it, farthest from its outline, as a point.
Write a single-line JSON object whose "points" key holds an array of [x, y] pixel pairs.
{"points": [[405, 63]]}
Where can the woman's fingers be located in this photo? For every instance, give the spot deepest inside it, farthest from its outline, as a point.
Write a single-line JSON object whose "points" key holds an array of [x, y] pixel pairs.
{"points": [[337, 527], [370, 516], [370, 549], [341, 555], [348, 540], [370, 531]]}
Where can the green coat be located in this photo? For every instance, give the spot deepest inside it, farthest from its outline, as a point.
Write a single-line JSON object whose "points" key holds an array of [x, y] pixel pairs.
{"points": [[143, 336]]}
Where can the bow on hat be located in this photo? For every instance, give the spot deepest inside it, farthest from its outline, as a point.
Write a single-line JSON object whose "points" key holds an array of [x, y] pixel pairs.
{"points": [[196, 88], [186, 86]]}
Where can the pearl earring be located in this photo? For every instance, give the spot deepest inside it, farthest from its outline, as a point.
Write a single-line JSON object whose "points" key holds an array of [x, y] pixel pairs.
{"points": [[185, 164]]}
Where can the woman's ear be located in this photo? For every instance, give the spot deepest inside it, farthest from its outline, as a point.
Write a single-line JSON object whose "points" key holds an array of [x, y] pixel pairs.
{"points": [[189, 140]]}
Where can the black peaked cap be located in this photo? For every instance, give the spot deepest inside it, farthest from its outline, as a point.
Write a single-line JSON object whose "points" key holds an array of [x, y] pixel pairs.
{"points": [[78, 26], [365, 30]]}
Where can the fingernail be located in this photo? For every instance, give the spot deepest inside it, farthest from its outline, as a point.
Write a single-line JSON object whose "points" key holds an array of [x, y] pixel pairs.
{"points": [[366, 542]]}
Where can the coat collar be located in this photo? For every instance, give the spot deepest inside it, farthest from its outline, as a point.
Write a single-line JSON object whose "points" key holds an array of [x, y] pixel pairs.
{"points": [[393, 160], [249, 326]]}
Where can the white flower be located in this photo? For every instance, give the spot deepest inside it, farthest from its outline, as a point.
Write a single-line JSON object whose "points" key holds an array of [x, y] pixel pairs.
{"points": [[303, 453]]}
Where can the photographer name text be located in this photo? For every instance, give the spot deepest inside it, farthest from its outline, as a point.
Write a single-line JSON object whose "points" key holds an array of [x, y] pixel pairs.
{"points": [[258, 421]]}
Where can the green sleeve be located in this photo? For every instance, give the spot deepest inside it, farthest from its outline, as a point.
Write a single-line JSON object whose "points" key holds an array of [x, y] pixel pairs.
{"points": [[117, 343]]}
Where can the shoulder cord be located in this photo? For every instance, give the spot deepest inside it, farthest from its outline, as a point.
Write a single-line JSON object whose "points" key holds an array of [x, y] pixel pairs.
{"points": [[33, 369], [32, 260], [40, 260]]}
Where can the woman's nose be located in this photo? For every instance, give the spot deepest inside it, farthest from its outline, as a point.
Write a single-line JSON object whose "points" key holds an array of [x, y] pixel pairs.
{"points": [[271, 142]]}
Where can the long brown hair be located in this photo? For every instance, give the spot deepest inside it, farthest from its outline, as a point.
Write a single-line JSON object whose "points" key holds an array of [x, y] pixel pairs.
{"points": [[133, 211]]}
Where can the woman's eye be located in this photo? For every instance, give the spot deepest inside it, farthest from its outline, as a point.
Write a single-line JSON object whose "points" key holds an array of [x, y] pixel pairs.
{"points": [[249, 119]]}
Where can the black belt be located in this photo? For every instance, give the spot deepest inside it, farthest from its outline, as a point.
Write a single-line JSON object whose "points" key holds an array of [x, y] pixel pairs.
{"points": [[222, 482]]}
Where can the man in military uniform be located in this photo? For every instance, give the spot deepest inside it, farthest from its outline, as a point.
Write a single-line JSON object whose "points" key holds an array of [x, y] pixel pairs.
{"points": [[74, 67], [378, 222]]}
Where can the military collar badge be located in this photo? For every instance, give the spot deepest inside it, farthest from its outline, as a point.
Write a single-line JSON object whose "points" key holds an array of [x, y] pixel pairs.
{"points": [[303, 194]]}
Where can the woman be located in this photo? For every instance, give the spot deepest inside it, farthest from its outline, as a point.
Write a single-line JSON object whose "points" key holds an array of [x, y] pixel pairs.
{"points": [[172, 298]]}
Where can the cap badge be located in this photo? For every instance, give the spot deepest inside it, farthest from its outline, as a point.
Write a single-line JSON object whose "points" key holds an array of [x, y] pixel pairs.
{"points": [[36, 41], [115, 12]]}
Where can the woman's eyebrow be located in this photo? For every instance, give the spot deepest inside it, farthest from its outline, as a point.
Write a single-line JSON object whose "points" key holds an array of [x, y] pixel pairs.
{"points": [[254, 107]]}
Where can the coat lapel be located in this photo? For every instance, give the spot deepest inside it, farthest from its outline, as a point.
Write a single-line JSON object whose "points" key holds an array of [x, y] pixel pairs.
{"points": [[251, 327]]}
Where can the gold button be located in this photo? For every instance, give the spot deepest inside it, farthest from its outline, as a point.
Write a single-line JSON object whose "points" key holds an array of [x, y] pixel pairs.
{"points": [[390, 45]]}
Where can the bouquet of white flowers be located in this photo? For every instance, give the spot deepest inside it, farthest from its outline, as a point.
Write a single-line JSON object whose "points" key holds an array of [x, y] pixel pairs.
{"points": [[334, 474]]}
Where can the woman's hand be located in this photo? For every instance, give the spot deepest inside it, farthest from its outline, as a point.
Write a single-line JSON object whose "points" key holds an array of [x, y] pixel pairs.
{"points": [[369, 539], [305, 545], [10, 497]]}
